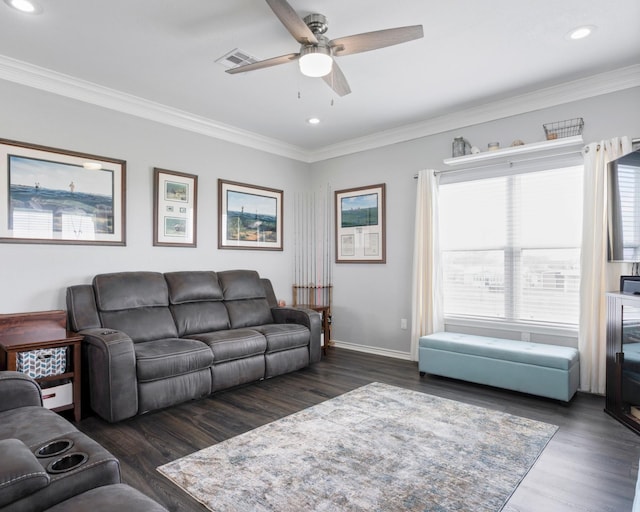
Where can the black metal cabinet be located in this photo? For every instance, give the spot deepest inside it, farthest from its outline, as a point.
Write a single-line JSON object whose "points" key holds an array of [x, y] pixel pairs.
{"points": [[623, 359]]}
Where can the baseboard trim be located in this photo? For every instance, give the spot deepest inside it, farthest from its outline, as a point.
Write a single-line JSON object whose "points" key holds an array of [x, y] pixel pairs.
{"points": [[371, 350]]}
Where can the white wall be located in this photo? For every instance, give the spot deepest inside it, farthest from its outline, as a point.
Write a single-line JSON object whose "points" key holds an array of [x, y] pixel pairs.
{"points": [[34, 277], [370, 300]]}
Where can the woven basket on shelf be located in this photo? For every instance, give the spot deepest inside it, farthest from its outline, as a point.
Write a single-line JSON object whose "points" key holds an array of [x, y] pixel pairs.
{"points": [[566, 128]]}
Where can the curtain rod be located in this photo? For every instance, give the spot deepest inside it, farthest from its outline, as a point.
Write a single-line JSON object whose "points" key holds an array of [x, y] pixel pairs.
{"points": [[435, 173]]}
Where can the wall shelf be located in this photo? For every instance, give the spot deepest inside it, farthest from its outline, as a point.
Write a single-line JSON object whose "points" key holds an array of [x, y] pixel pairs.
{"points": [[515, 153]]}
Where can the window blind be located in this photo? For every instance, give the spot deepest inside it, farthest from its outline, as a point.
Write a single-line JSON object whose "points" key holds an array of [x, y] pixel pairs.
{"points": [[511, 247]]}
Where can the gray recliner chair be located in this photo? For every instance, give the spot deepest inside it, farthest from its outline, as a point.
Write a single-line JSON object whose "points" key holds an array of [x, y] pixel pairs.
{"points": [[48, 464]]}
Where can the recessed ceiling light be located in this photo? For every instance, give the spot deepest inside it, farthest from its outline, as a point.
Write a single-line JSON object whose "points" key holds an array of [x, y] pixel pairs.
{"points": [[581, 32], [313, 120], [26, 6]]}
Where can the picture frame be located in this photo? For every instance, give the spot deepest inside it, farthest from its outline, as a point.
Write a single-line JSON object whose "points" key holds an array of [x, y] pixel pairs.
{"points": [[249, 217], [175, 208], [56, 196], [360, 224]]}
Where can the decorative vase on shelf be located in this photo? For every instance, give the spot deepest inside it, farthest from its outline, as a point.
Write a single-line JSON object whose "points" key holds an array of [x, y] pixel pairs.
{"points": [[460, 147]]}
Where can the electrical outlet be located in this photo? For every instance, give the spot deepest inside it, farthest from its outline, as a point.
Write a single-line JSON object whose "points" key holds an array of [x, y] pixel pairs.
{"points": [[403, 323], [525, 336]]}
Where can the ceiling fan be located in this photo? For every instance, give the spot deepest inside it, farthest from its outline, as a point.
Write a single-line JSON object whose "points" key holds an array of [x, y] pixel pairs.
{"points": [[317, 52]]}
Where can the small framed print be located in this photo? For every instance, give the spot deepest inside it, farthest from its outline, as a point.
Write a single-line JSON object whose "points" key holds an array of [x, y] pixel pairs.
{"points": [[249, 217], [56, 196], [175, 201], [360, 225]]}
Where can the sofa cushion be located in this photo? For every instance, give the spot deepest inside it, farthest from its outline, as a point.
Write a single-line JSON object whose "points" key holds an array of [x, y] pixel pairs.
{"points": [[241, 284], [129, 290], [233, 344], [81, 307], [193, 286], [197, 317], [169, 357], [284, 336], [19, 390], [136, 303], [538, 354], [248, 313], [28, 425], [20, 473], [142, 324]]}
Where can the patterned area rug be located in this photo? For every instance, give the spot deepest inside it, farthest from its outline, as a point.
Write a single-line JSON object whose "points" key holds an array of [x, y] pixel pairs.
{"points": [[378, 447]]}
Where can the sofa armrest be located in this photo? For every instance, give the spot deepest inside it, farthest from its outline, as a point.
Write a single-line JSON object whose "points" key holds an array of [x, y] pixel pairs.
{"points": [[110, 362], [307, 317], [20, 472], [18, 390]]}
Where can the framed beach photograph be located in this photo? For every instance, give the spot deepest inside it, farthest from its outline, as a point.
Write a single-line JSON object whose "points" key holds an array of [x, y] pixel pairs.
{"points": [[249, 217], [57, 196], [360, 225], [175, 208]]}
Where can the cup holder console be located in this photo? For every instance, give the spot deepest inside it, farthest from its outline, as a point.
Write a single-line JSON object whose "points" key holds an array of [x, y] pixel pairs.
{"points": [[54, 448], [67, 462]]}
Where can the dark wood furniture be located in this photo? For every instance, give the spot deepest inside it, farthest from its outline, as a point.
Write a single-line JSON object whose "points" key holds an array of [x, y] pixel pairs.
{"points": [[24, 332], [623, 359], [316, 298]]}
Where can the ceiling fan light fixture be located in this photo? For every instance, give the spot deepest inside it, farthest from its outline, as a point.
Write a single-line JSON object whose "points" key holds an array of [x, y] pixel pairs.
{"points": [[315, 61]]}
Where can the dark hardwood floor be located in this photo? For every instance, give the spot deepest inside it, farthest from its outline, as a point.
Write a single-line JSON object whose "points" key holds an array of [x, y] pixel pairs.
{"points": [[590, 465]]}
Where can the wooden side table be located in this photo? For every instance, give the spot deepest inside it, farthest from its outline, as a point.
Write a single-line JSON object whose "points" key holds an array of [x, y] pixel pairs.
{"points": [[318, 298], [325, 313], [25, 332]]}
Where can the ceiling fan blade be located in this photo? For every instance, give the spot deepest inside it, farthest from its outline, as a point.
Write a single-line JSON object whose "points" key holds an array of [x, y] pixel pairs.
{"points": [[337, 81], [373, 40], [267, 63], [293, 23]]}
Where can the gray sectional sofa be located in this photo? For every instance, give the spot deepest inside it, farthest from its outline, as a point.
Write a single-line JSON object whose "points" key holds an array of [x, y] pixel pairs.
{"points": [[48, 464], [152, 340]]}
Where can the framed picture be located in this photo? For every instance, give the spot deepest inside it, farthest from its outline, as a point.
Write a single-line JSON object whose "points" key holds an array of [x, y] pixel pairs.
{"points": [[50, 195], [175, 202], [360, 225], [249, 217]]}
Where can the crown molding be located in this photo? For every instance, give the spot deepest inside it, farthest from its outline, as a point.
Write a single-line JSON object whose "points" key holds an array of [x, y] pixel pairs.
{"points": [[64, 85], [17, 71], [584, 88]]}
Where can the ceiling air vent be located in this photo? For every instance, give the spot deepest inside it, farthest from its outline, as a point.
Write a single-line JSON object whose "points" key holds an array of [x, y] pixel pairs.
{"points": [[236, 58]]}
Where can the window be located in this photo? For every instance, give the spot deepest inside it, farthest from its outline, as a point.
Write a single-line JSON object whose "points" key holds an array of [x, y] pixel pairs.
{"points": [[511, 247]]}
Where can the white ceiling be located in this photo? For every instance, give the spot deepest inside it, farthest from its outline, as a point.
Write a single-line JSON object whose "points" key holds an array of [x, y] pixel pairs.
{"points": [[473, 53]]}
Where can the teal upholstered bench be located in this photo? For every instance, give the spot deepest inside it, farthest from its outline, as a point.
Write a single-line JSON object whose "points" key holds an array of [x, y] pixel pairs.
{"points": [[544, 370]]}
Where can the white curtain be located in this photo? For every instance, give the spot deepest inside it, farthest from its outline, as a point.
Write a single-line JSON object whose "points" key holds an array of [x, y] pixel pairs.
{"points": [[426, 294], [593, 265]]}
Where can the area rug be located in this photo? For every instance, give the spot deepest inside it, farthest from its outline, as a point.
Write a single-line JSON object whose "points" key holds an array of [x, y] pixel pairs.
{"points": [[378, 447]]}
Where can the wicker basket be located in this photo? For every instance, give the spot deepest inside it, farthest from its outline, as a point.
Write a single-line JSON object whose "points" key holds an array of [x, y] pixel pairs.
{"points": [[566, 128]]}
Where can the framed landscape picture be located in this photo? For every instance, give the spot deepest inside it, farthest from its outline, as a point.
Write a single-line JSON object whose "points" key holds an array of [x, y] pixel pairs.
{"points": [[175, 201], [51, 195], [360, 225], [249, 217]]}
